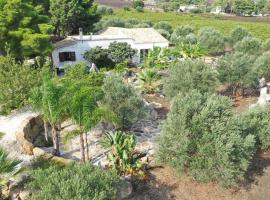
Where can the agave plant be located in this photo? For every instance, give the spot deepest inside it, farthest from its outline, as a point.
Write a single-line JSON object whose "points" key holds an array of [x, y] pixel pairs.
{"points": [[149, 78], [123, 157], [8, 167]]}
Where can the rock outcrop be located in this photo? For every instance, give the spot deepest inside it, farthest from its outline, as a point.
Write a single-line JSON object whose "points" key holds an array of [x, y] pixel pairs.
{"points": [[29, 130]]}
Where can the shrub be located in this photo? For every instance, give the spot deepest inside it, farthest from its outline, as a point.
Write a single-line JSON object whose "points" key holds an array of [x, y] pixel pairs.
{"points": [[256, 122], [249, 45], [191, 39], [190, 74], [123, 157], [237, 70], [266, 45], [262, 65], [238, 34], [99, 56], [126, 8], [137, 3], [164, 33], [199, 137], [180, 33], [104, 10], [163, 25], [123, 100], [16, 82], [212, 40], [139, 9], [120, 51], [76, 181], [142, 25]]}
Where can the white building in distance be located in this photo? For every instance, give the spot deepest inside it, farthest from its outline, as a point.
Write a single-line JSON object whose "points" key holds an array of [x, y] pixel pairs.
{"points": [[71, 50]]}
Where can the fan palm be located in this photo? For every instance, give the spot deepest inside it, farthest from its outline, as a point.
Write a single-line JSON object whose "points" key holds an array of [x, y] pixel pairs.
{"points": [[7, 166]]}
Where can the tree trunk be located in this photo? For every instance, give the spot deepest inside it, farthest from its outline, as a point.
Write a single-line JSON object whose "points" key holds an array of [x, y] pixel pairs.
{"points": [[46, 134], [82, 147], [55, 137], [86, 145]]}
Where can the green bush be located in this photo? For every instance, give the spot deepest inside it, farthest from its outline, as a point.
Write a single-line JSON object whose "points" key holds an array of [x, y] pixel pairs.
{"points": [[181, 33], [120, 51], [163, 25], [139, 9], [199, 137], [16, 82], [164, 33], [100, 57], [123, 100], [236, 69], [117, 52], [76, 181], [104, 10], [142, 25], [190, 74], [212, 39], [238, 34], [266, 45], [137, 3], [262, 65], [256, 122], [249, 45]]}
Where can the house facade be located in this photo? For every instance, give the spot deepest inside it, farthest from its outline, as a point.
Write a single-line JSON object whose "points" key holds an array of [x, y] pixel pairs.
{"points": [[71, 50]]}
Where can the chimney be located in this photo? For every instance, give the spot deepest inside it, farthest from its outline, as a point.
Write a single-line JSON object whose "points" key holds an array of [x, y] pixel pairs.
{"points": [[81, 33]]}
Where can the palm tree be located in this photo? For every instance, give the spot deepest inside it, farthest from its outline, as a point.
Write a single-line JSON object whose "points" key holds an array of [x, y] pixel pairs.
{"points": [[7, 166], [48, 100], [86, 113]]}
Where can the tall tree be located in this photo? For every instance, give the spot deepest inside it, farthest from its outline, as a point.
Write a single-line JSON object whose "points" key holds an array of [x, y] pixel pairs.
{"points": [[24, 31], [67, 16]]}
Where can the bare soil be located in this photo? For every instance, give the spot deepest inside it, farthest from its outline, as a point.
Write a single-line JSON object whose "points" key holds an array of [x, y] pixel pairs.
{"points": [[163, 183]]}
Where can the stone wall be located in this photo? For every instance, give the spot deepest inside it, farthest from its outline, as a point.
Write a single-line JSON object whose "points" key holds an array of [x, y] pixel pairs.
{"points": [[28, 131]]}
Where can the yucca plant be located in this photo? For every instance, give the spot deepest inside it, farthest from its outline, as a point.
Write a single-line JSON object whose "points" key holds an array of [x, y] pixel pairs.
{"points": [[123, 157], [8, 167], [149, 79]]}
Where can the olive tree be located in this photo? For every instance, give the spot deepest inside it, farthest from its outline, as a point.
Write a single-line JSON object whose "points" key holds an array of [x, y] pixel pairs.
{"points": [[190, 74], [199, 137], [123, 100], [238, 34], [236, 69], [212, 39], [183, 34], [249, 45], [262, 65]]}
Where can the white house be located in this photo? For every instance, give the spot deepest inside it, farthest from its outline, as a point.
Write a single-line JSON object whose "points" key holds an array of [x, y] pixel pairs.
{"points": [[71, 50]]}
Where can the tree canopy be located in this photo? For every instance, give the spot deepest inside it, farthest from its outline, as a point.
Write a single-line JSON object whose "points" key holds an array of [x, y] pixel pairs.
{"points": [[24, 29]]}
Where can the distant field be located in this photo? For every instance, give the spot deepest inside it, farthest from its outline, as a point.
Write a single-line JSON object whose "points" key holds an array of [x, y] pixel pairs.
{"points": [[259, 29]]}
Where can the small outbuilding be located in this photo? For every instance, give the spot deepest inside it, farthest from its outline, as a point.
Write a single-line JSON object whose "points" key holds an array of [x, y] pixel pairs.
{"points": [[71, 50]]}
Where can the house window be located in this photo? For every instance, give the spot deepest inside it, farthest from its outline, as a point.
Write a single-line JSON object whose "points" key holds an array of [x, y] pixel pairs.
{"points": [[143, 53], [67, 56]]}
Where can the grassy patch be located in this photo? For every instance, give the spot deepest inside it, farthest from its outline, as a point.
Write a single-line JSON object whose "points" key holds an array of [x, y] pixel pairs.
{"points": [[260, 30]]}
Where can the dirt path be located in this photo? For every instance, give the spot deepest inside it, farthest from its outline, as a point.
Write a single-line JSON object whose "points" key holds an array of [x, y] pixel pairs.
{"points": [[114, 3]]}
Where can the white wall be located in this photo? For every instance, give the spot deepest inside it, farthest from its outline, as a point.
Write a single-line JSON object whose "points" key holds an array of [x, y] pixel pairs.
{"points": [[82, 46]]}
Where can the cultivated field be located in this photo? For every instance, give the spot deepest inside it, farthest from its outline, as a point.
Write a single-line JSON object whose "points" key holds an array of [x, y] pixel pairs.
{"points": [[260, 29]]}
